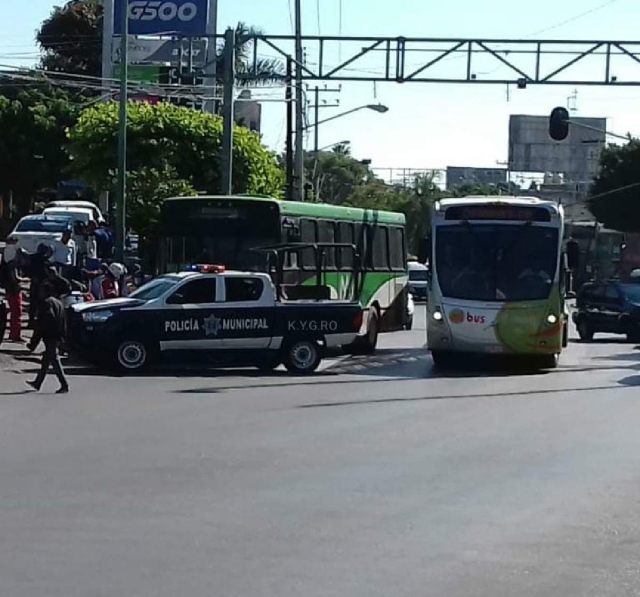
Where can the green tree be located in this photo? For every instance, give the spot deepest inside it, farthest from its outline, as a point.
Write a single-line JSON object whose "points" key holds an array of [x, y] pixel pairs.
{"points": [[33, 122], [615, 194], [265, 71], [335, 176], [147, 189], [165, 136], [71, 38]]}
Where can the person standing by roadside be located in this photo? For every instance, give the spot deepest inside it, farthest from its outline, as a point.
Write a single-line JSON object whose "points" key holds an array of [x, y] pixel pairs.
{"points": [[65, 255], [51, 326], [10, 281]]}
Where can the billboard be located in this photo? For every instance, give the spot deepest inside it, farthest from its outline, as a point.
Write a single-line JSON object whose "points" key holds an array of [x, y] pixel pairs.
{"points": [[154, 17], [162, 51], [577, 157]]}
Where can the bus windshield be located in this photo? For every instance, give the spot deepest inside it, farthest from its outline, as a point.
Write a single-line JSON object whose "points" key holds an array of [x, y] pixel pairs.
{"points": [[496, 262]]}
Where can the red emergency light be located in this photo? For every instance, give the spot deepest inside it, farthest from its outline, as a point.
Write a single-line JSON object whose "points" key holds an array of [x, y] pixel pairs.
{"points": [[208, 268]]}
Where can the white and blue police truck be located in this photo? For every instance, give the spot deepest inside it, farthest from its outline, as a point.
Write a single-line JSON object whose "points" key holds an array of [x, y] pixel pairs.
{"points": [[231, 317]]}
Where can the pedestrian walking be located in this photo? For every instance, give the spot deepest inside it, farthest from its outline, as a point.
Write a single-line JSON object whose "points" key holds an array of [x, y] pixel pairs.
{"points": [[51, 327], [10, 281]]}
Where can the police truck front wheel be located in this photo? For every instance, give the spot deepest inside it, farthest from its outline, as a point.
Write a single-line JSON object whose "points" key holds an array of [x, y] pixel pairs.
{"points": [[302, 356], [132, 355]]}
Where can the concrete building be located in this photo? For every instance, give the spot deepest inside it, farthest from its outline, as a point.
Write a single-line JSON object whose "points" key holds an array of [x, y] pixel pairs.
{"points": [[247, 113]]}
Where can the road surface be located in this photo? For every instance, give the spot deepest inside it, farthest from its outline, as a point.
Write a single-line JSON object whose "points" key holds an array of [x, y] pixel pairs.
{"points": [[374, 478]]}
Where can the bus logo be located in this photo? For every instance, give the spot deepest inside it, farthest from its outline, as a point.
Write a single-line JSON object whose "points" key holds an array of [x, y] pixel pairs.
{"points": [[456, 316]]}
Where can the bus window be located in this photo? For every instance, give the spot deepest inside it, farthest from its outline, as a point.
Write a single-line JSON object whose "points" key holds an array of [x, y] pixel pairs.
{"points": [[362, 244], [379, 254], [326, 234], [396, 249], [308, 234], [345, 235]]}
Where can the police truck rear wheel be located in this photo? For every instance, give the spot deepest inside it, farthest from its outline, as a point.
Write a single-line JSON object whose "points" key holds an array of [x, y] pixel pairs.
{"points": [[132, 355], [302, 357]]}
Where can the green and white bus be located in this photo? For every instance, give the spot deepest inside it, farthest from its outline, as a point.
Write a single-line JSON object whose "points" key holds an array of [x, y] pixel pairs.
{"points": [[497, 279], [227, 230]]}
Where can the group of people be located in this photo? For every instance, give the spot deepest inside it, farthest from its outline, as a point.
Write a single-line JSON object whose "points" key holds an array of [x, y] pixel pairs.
{"points": [[51, 284]]}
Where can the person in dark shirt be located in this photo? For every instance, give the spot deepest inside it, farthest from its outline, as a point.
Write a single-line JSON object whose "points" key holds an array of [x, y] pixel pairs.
{"points": [[51, 326]]}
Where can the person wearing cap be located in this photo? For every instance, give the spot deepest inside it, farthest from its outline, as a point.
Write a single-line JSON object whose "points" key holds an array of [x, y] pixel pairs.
{"points": [[51, 327]]}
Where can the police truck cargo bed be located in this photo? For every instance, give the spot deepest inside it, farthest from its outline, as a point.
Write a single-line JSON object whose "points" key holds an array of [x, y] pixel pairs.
{"points": [[231, 317]]}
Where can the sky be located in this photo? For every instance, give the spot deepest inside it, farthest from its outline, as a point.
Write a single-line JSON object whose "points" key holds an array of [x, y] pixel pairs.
{"points": [[428, 125]]}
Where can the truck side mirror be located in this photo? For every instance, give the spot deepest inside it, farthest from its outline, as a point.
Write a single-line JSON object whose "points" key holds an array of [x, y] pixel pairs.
{"points": [[573, 255], [424, 250]]}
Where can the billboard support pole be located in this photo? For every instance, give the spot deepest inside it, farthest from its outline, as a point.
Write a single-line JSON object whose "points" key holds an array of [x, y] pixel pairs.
{"points": [[289, 148], [121, 219], [299, 147], [229, 76], [107, 74]]}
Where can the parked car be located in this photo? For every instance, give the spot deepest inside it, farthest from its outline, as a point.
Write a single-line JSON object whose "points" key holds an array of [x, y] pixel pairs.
{"points": [[78, 214], [611, 307], [32, 231]]}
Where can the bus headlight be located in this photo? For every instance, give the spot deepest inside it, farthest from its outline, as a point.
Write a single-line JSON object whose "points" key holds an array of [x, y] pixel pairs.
{"points": [[552, 318], [437, 315]]}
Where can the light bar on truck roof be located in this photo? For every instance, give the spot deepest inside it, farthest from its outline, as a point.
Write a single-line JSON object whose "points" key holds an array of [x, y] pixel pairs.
{"points": [[207, 268]]}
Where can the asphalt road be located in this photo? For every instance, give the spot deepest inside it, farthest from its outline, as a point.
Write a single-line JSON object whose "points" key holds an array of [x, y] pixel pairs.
{"points": [[374, 478]]}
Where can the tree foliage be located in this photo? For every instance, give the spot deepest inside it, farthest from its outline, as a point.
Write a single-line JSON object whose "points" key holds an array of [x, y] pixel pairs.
{"points": [[147, 188], [71, 38], [335, 176], [165, 137], [33, 121], [615, 200]]}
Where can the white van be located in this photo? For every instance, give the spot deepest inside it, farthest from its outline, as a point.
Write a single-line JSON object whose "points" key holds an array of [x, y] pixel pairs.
{"points": [[418, 280], [83, 205]]}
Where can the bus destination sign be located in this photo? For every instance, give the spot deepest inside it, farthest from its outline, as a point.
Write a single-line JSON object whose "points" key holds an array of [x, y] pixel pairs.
{"points": [[498, 212]]}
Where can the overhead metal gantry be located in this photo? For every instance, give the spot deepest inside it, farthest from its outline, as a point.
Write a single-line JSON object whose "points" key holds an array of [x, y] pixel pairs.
{"points": [[456, 60]]}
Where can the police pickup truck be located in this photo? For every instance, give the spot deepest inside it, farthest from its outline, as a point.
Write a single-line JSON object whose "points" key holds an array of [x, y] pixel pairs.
{"points": [[232, 317]]}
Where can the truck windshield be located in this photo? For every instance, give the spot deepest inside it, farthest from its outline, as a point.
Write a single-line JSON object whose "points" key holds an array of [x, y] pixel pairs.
{"points": [[154, 289], [488, 262]]}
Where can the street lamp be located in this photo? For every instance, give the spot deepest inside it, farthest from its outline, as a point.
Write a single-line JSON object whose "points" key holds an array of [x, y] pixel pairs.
{"points": [[380, 108]]}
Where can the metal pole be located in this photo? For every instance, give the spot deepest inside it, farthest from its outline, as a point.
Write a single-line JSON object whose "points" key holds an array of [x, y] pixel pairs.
{"points": [[299, 150], [107, 74], [289, 145], [227, 112], [211, 58], [121, 218], [316, 111]]}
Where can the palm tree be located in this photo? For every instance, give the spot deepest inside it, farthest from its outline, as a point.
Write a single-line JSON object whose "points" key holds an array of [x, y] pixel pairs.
{"points": [[264, 72]]}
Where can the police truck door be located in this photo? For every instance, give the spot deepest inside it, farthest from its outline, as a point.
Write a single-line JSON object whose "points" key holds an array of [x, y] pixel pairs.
{"points": [[190, 316]]}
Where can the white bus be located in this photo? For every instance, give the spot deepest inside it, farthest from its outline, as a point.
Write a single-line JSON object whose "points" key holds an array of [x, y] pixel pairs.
{"points": [[497, 279]]}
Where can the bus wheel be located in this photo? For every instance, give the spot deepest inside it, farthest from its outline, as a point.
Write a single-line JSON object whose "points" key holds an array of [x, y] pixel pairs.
{"points": [[302, 356], [367, 344], [441, 359]]}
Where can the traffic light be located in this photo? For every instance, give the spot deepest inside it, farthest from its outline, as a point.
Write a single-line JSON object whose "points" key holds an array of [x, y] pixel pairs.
{"points": [[559, 124]]}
